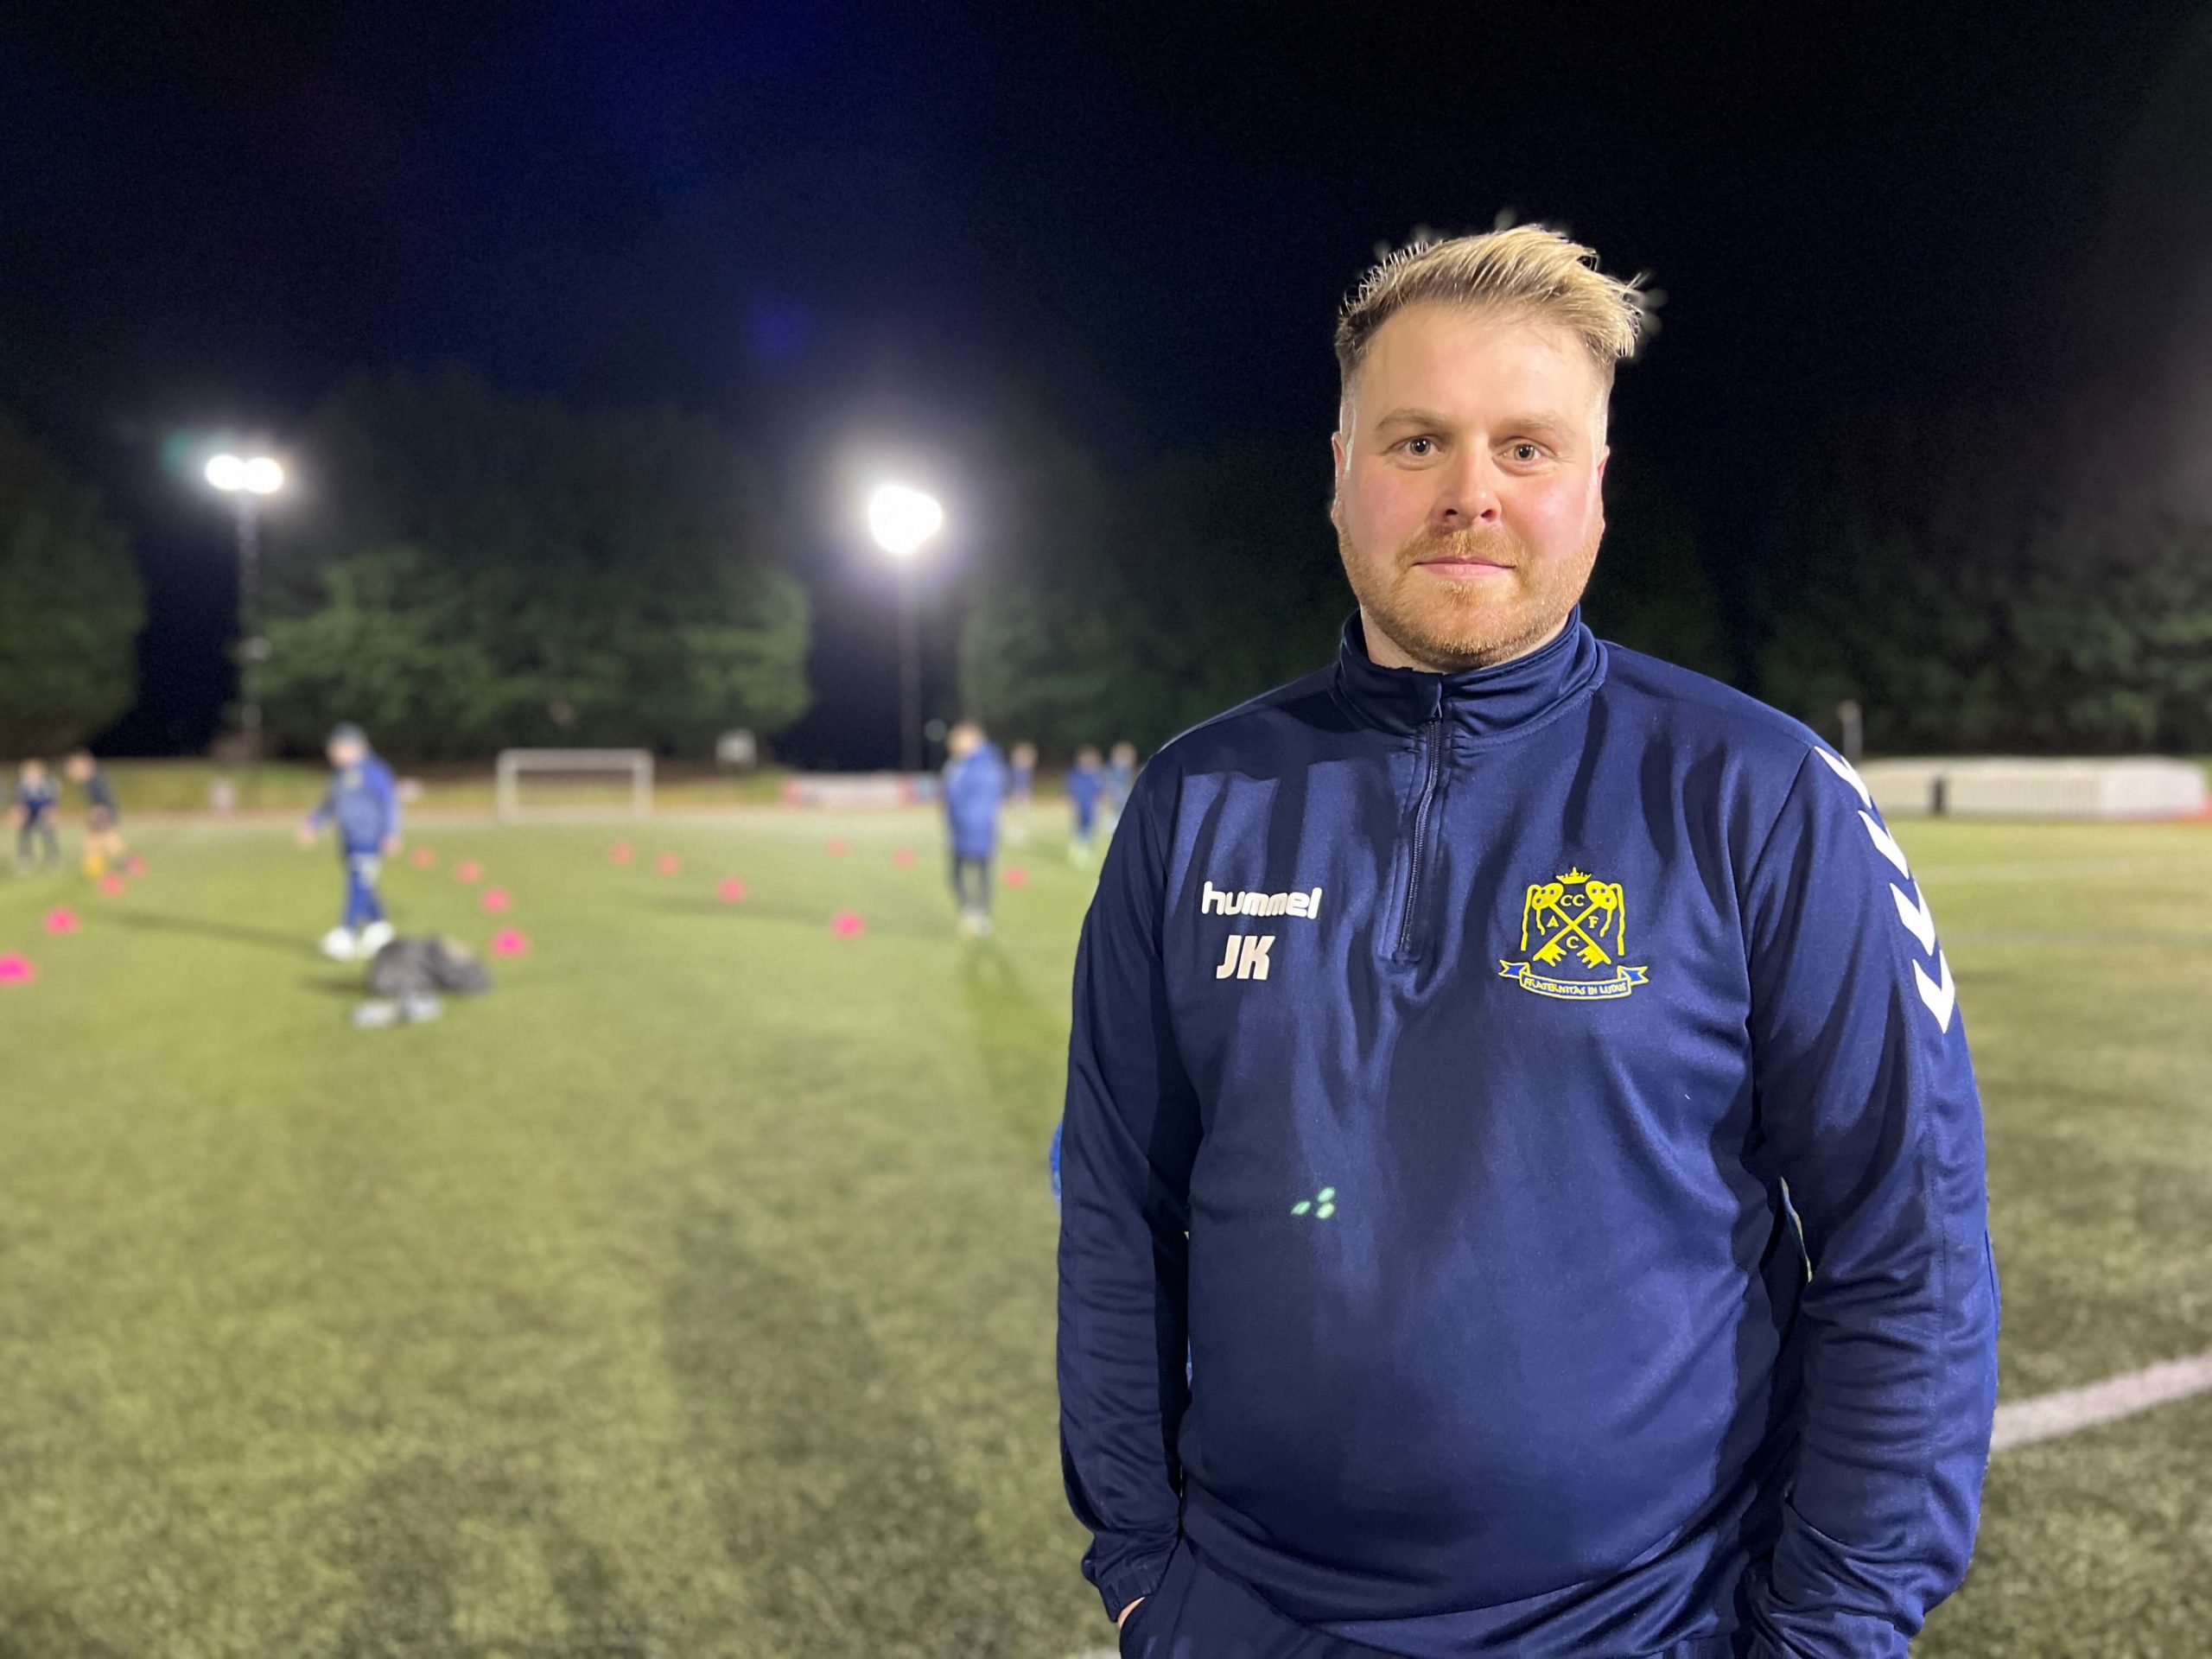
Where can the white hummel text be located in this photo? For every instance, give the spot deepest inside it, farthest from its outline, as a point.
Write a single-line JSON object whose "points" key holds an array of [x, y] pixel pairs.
{"points": [[1246, 957], [1214, 902]]}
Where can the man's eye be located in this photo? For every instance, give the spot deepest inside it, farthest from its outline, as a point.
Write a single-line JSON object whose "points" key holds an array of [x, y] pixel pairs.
{"points": [[1526, 452], [1420, 448]]}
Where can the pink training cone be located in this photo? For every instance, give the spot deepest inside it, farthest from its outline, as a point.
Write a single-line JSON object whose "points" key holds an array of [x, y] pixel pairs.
{"points": [[497, 900], [621, 853], [835, 847], [422, 858], [731, 892], [902, 858], [61, 919], [668, 864], [136, 865], [112, 885], [509, 942], [468, 872], [846, 924], [16, 970], [1016, 876]]}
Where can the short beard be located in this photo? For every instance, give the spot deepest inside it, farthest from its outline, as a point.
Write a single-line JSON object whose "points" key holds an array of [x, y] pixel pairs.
{"points": [[1449, 627]]}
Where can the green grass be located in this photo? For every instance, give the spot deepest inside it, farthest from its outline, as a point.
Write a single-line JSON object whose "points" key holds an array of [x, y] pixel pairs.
{"points": [[692, 1294], [689, 1295]]}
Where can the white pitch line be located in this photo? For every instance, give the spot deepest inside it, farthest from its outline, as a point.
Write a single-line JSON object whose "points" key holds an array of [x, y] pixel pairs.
{"points": [[2049, 1415]]}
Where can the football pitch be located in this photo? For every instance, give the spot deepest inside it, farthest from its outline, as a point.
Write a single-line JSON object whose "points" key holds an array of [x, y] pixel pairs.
{"points": [[692, 1293]]}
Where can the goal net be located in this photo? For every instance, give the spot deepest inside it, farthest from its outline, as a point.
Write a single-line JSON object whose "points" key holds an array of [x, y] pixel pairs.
{"points": [[574, 784]]}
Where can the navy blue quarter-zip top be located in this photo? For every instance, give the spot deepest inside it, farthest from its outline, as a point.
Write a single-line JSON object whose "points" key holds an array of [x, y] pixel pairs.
{"points": [[1455, 1060]]}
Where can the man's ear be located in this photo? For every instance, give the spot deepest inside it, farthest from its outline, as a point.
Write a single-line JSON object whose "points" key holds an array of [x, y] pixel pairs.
{"points": [[1336, 478]]}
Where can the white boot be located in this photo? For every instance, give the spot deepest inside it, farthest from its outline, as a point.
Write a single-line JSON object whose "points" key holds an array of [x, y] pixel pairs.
{"points": [[338, 944], [374, 937]]}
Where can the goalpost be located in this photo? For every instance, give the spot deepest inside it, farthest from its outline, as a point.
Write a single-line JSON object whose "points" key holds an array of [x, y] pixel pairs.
{"points": [[599, 765]]}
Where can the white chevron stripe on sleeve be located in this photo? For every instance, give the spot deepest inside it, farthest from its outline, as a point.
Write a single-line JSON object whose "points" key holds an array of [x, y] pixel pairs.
{"points": [[1919, 921], [1849, 773], [1884, 844], [1941, 993]]}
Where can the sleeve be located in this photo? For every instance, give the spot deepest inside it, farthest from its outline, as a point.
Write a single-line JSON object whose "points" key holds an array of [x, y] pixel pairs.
{"points": [[326, 809], [1868, 1107], [1130, 1133], [387, 791]]}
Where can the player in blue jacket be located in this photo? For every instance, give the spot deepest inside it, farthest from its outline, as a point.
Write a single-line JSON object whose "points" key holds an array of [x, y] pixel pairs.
{"points": [[37, 799], [1528, 1077], [1086, 787], [1121, 779], [363, 806], [974, 789]]}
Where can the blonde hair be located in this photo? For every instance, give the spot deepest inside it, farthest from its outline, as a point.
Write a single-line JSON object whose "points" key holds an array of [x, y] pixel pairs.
{"points": [[1529, 269]]}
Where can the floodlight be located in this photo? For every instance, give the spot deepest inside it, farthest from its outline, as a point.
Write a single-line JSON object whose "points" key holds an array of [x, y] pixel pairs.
{"points": [[901, 519]]}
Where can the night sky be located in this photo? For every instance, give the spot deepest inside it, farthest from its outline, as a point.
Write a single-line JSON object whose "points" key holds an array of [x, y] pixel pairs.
{"points": [[832, 226]]}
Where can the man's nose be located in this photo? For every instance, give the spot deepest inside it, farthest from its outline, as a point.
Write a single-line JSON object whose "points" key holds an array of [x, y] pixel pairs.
{"points": [[1468, 499]]}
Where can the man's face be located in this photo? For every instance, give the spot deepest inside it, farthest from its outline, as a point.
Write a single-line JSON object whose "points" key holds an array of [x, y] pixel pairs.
{"points": [[1469, 458], [343, 754]]}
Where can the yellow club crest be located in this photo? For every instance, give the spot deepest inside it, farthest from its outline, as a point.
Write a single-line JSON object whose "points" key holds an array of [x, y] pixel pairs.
{"points": [[1575, 921]]}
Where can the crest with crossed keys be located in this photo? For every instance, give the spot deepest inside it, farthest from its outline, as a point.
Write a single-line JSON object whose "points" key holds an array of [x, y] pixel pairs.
{"points": [[1575, 910]]}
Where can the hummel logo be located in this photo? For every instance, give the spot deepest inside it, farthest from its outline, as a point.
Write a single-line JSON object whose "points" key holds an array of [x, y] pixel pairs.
{"points": [[1214, 902], [1246, 957]]}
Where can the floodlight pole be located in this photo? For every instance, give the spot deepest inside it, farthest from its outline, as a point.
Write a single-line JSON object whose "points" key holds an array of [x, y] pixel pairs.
{"points": [[902, 520], [244, 481], [250, 647], [910, 671]]}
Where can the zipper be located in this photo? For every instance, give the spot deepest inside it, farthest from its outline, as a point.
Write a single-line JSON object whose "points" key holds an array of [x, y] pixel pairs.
{"points": [[1430, 778]]}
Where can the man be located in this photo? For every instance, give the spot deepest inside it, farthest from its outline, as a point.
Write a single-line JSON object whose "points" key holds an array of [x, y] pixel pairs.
{"points": [[1527, 1075], [364, 806], [975, 786]]}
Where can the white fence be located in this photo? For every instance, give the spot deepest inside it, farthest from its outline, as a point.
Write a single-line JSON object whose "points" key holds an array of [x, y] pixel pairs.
{"points": [[2145, 786]]}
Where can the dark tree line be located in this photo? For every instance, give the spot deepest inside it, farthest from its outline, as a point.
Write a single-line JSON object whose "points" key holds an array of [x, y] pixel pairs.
{"points": [[71, 604], [1985, 580], [478, 571], [468, 571]]}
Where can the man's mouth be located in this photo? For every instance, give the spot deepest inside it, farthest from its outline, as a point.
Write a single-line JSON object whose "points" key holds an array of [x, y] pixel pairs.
{"points": [[1461, 568]]}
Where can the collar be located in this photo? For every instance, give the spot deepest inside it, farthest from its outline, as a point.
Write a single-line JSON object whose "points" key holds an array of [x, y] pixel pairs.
{"points": [[1482, 702]]}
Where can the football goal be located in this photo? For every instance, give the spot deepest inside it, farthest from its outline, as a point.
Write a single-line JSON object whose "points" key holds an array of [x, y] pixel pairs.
{"points": [[574, 783]]}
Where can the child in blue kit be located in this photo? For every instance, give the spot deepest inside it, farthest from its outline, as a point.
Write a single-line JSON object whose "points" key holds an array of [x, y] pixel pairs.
{"points": [[36, 797], [1086, 783], [975, 790], [363, 805]]}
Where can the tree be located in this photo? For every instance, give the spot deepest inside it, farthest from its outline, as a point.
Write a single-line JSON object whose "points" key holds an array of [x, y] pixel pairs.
{"points": [[562, 577], [1651, 590], [1972, 588], [1133, 608], [71, 604]]}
